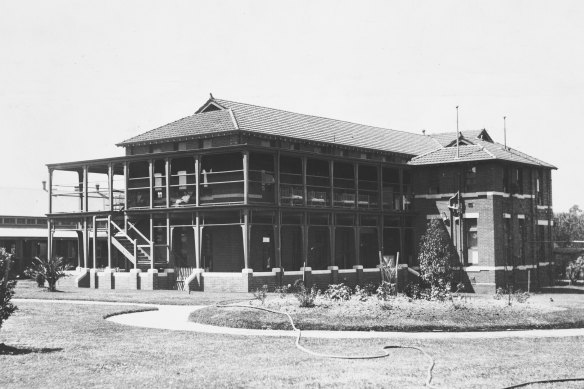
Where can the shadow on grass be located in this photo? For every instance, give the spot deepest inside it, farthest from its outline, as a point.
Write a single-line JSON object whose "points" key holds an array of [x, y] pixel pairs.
{"points": [[565, 289], [9, 350]]}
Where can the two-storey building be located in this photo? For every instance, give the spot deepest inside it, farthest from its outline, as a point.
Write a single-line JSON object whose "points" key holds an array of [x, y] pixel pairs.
{"points": [[236, 196]]}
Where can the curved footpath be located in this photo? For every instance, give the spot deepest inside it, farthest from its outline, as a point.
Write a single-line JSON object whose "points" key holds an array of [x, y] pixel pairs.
{"points": [[176, 318]]}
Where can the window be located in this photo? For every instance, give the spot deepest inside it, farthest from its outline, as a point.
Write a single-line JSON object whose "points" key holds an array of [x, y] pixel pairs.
{"points": [[470, 179], [522, 236], [518, 180], [434, 181], [508, 237], [472, 241], [541, 243], [539, 187]]}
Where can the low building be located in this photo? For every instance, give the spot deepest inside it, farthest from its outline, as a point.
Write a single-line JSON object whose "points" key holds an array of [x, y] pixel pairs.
{"points": [[23, 228], [236, 196]]}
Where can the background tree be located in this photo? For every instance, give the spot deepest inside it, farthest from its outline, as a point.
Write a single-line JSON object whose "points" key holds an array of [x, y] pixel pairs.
{"points": [[569, 226], [6, 287], [436, 256]]}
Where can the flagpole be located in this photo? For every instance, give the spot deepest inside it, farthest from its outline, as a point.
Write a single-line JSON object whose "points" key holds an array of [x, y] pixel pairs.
{"points": [[457, 136], [505, 131]]}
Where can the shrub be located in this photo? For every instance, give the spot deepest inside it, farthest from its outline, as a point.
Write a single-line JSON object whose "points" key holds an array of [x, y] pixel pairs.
{"points": [[385, 291], [283, 290], [436, 256], [388, 272], [51, 269], [511, 295], [306, 296], [362, 293], [261, 293], [338, 292], [6, 287], [40, 280], [417, 291], [365, 291], [521, 296], [574, 269]]}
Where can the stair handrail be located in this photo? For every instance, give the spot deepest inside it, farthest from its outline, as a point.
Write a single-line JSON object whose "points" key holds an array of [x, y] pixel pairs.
{"points": [[122, 232], [139, 233], [135, 255]]}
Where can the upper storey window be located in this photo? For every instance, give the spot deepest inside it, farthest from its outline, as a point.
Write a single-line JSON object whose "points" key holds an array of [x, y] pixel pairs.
{"points": [[539, 184], [470, 177], [513, 180]]}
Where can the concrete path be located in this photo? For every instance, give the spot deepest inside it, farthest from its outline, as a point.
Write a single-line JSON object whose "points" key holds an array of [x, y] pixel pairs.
{"points": [[175, 317]]}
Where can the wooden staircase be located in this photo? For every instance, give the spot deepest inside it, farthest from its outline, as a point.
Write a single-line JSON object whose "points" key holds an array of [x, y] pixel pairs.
{"points": [[138, 254]]}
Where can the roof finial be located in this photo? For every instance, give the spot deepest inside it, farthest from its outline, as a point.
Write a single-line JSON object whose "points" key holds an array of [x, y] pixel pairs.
{"points": [[211, 95]]}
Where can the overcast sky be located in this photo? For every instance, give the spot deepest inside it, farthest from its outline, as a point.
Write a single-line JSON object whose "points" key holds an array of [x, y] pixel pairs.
{"points": [[76, 77]]}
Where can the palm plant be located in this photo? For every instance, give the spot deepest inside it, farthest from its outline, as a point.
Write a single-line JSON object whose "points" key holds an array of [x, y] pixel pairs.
{"points": [[51, 269]]}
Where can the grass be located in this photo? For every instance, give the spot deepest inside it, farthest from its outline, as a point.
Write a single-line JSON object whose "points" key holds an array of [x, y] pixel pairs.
{"points": [[478, 314], [68, 345], [27, 289]]}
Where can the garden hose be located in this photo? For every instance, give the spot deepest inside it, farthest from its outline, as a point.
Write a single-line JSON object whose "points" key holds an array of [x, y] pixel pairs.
{"points": [[385, 354], [553, 381], [322, 355]]}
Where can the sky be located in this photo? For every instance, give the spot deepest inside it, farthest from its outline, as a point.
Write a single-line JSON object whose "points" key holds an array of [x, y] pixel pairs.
{"points": [[77, 77]]}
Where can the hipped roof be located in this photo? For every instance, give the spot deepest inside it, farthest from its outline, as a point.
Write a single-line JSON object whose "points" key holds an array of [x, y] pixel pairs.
{"points": [[234, 116], [225, 116]]}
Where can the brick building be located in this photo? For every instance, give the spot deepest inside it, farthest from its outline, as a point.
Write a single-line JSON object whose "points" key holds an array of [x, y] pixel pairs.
{"points": [[236, 196]]}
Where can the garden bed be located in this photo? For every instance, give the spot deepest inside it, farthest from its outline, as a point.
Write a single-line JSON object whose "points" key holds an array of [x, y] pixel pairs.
{"points": [[478, 313]]}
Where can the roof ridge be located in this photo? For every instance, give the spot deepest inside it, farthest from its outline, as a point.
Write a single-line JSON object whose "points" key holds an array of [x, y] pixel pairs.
{"points": [[320, 117], [427, 153], [488, 152]]}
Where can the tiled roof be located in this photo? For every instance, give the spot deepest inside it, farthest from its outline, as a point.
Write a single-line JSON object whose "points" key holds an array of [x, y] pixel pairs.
{"points": [[448, 155], [202, 123], [318, 129], [277, 122], [445, 138], [479, 150], [431, 149]]}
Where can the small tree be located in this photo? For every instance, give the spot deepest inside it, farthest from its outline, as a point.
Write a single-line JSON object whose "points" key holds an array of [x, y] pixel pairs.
{"points": [[51, 269], [436, 255], [6, 286]]}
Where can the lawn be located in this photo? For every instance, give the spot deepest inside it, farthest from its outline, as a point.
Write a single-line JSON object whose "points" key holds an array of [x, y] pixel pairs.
{"points": [[72, 346], [477, 313], [67, 291], [68, 345]]}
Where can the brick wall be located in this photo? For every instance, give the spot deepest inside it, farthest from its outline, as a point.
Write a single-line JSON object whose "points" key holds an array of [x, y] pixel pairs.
{"points": [[223, 282], [264, 278], [348, 277], [320, 279], [289, 277], [372, 276], [122, 280]]}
